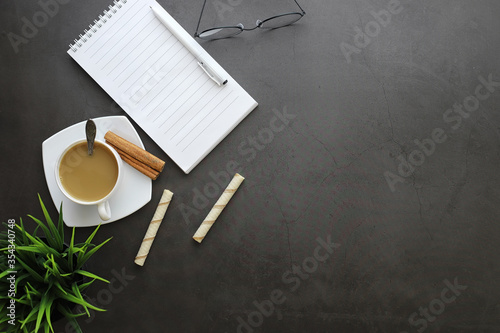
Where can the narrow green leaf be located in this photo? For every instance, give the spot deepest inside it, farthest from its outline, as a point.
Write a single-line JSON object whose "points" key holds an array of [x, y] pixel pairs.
{"points": [[36, 230], [75, 325], [75, 298], [91, 236], [81, 301], [67, 312], [47, 315], [44, 303], [42, 225], [78, 294], [53, 230], [87, 255], [31, 248], [85, 285], [37, 241], [22, 277], [60, 287], [23, 231], [4, 274], [52, 268], [60, 223], [90, 275], [84, 247], [35, 274], [71, 250], [42, 245], [47, 277], [23, 236], [30, 316]]}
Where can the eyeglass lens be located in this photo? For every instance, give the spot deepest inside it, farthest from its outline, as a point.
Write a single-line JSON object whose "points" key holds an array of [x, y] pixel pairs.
{"points": [[223, 32], [280, 21]]}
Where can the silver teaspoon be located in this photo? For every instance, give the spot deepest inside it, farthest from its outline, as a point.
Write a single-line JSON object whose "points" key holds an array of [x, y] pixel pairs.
{"points": [[90, 131]]}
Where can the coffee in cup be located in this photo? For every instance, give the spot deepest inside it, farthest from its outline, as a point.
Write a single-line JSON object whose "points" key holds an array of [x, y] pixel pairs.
{"points": [[89, 179]]}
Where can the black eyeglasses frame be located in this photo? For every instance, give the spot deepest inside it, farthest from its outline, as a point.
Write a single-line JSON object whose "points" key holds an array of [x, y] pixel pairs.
{"points": [[239, 28]]}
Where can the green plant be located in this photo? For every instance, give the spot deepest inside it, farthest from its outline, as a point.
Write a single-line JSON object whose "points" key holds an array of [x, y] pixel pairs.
{"points": [[49, 274]]}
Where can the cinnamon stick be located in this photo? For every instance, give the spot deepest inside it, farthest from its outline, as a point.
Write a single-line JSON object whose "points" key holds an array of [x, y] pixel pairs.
{"points": [[134, 151], [136, 164]]}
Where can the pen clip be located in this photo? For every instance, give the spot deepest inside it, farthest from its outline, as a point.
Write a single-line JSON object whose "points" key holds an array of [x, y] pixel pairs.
{"points": [[211, 74]]}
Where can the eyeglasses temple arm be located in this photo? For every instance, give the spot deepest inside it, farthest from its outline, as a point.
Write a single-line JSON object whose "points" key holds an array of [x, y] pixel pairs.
{"points": [[303, 11], [199, 20]]}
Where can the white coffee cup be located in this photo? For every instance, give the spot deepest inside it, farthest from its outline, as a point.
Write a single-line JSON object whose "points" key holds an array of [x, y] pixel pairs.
{"points": [[70, 165]]}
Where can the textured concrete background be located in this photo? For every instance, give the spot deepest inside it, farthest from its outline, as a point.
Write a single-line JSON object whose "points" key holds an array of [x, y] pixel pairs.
{"points": [[413, 223]]}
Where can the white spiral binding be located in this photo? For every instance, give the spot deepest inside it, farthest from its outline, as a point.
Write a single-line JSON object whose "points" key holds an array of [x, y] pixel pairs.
{"points": [[93, 28]]}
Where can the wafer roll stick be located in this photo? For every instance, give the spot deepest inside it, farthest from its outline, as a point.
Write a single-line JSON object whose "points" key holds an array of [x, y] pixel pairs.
{"points": [[218, 207], [154, 225]]}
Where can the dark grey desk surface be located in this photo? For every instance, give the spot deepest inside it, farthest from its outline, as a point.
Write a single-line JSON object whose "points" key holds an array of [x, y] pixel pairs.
{"points": [[323, 175]]}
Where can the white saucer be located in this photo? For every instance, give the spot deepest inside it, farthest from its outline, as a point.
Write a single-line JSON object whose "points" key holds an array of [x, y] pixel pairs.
{"points": [[133, 192]]}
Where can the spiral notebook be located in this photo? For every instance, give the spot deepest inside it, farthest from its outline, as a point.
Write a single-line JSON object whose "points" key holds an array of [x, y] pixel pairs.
{"points": [[158, 82]]}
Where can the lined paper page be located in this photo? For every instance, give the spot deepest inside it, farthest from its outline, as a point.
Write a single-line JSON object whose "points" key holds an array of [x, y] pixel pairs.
{"points": [[159, 83]]}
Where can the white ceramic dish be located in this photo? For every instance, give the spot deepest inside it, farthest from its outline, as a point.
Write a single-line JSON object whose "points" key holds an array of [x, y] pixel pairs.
{"points": [[133, 192]]}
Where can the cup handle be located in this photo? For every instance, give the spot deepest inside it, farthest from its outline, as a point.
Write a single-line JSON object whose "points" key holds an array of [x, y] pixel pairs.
{"points": [[104, 210]]}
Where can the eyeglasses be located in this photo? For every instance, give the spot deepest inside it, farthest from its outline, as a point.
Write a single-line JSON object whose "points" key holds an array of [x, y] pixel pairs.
{"points": [[272, 22]]}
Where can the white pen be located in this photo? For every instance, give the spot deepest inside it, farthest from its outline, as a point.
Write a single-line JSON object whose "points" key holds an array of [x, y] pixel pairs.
{"points": [[160, 15]]}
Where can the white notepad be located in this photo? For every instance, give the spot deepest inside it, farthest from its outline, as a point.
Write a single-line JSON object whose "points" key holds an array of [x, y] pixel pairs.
{"points": [[159, 83]]}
